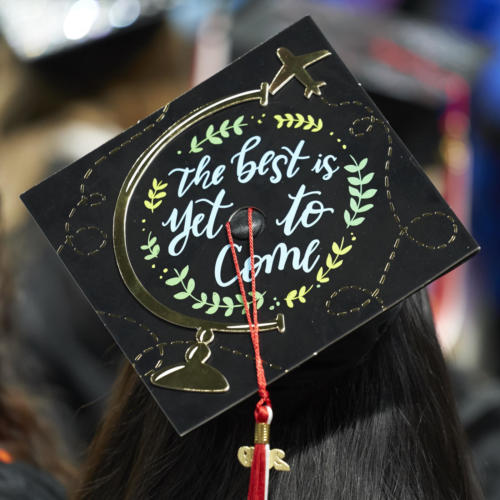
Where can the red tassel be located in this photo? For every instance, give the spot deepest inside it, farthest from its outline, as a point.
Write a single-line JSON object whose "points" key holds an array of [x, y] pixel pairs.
{"points": [[259, 474]]}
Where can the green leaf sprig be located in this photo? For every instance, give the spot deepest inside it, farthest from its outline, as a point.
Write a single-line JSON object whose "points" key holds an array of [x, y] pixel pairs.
{"points": [[332, 262], [155, 195], [297, 295], [299, 121], [216, 136], [357, 192], [215, 303], [152, 247]]}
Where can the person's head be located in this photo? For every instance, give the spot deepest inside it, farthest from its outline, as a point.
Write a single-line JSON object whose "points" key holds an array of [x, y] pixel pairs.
{"points": [[385, 428]]}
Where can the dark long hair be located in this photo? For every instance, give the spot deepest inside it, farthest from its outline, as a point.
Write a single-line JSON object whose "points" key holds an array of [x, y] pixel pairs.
{"points": [[386, 429]]}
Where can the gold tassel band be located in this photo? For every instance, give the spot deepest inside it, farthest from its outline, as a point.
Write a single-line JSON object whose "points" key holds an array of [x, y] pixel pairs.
{"points": [[262, 433]]}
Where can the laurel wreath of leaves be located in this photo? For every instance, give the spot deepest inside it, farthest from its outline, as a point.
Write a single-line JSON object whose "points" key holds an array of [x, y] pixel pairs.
{"points": [[152, 247], [216, 136], [331, 261], [155, 195], [357, 190], [300, 121], [217, 302], [358, 195]]}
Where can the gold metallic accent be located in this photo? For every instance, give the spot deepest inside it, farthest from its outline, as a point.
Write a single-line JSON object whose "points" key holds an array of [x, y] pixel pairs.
{"points": [[276, 456], [264, 88], [276, 460], [262, 433], [245, 455], [192, 376], [295, 67]]}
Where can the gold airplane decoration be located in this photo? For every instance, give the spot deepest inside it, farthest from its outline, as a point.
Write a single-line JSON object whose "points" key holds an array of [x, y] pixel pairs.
{"points": [[295, 67]]}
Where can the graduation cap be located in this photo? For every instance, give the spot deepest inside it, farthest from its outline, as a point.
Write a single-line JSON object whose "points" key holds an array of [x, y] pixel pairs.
{"points": [[156, 229]]}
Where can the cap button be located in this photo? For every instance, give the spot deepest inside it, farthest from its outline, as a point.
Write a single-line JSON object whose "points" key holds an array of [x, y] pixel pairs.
{"points": [[239, 223]]}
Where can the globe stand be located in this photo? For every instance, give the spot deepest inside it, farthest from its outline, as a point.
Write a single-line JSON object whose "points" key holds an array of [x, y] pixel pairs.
{"points": [[195, 375]]}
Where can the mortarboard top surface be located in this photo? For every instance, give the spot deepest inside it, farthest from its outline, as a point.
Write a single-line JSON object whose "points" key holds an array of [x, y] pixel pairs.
{"points": [[351, 224]]}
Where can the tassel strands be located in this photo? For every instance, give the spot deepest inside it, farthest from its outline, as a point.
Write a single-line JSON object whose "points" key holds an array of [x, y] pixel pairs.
{"points": [[259, 473]]}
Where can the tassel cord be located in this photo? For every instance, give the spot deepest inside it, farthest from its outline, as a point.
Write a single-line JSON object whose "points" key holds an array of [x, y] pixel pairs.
{"points": [[259, 473]]}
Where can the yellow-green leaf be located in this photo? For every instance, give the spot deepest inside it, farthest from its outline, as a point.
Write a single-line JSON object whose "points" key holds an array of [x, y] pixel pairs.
{"points": [[300, 120], [318, 126], [336, 249], [320, 276], [345, 250], [190, 286], [195, 148], [289, 298], [329, 261], [289, 118], [280, 121], [184, 272]]}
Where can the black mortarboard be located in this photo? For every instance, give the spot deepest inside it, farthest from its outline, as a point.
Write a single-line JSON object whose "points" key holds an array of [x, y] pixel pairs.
{"points": [[346, 224]]}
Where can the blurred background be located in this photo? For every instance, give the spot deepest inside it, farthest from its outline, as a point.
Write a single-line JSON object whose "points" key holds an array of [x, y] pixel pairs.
{"points": [[74, 73]]}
